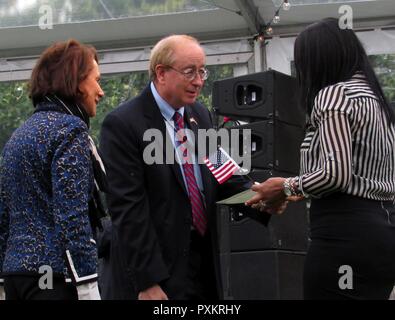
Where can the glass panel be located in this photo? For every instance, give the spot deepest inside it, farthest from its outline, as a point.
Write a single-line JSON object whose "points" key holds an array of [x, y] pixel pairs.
{"points": [[15, 13], [310, 2], [122, 8]]}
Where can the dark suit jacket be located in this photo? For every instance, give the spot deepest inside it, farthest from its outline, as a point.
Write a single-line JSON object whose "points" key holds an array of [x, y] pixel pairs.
{"points": [[149, 205]]}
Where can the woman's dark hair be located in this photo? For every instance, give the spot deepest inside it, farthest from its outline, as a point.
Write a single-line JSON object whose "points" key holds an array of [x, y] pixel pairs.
{"points": [[60, 69], [325, 54]]}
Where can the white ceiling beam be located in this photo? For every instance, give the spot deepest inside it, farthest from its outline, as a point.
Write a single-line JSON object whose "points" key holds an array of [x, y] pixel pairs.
{"points": [[359, 25]]}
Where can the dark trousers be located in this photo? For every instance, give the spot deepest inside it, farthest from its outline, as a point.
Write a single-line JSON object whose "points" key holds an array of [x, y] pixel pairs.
{"points": [[25, 287], [352, 251], [200, 278], [199, 281], [201, 275]]}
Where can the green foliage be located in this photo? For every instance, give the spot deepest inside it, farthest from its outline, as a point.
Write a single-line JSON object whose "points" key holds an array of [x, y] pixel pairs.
{"points": [[216, 73], [117, 89], [122, 87], [384, 65], [16, 107]]}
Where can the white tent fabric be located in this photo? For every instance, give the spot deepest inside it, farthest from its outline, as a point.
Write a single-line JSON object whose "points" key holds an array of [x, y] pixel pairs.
{"points": [[227, 28]]}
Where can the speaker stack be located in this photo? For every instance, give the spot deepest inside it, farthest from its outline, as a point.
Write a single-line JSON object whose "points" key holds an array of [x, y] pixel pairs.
{"points": [[262, 256]]}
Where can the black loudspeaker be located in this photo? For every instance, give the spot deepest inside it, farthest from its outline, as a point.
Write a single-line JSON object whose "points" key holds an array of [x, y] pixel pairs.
{"points": [[261, 262], [242, 229], [262, 275], [264, 95], [274, 145], [241, 232], [261, 256]]}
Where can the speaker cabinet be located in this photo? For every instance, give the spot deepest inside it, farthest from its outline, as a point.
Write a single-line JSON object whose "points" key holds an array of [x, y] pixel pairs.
{"points": [[242, 229], [261, 256], [263, 95], [274, 145], [262, 275]]}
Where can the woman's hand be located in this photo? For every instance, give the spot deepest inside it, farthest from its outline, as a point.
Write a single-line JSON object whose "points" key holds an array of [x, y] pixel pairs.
{"points": [[270, 192], [270, 196]]}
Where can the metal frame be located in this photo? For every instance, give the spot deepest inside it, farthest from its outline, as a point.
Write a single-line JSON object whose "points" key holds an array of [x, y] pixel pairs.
{"points": [[130, 60]]}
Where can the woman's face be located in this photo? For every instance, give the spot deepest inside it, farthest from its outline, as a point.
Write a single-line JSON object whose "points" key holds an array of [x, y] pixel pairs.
{"points": [[91, 90]]}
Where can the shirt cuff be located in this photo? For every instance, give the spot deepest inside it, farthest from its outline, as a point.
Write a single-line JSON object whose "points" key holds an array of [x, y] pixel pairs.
{"points": [[76, 279], [299, 185], [2, 293], [88, 291]]}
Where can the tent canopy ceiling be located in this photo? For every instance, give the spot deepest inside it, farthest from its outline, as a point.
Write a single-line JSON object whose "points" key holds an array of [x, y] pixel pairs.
{"points": [[130, 23]]}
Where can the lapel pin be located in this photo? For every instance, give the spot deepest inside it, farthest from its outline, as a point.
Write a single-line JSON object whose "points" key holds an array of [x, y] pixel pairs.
{"points": [[192, 120]]}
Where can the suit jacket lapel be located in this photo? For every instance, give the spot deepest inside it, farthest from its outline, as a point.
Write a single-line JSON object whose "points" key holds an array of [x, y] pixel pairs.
{"points": [[155, 120], [192, 123]]}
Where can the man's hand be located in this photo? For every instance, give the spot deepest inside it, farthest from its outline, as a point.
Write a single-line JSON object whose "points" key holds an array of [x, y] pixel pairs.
{"points": [[295, 198], [272, 208], [153, 293]]}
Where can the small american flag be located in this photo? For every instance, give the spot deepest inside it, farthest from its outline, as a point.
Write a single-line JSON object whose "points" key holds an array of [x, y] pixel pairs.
{"points": [[221, 165]]}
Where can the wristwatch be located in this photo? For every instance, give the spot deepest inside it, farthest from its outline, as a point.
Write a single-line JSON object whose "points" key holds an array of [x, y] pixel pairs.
{"points": [[287, 187]]}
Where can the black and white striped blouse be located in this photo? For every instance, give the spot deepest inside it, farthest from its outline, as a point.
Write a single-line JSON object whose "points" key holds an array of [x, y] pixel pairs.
{"points": [[349, 144]]}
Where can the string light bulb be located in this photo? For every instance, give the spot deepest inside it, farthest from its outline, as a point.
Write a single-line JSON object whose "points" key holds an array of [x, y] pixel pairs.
{"points": [[286, 5], [268, 30]]}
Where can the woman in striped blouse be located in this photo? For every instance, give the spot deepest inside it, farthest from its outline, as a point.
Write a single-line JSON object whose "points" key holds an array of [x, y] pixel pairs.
{"points": [[347, 169]]}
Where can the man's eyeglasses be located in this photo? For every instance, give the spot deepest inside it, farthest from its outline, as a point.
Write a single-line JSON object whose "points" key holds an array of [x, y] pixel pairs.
{"points": [[191, 73]]}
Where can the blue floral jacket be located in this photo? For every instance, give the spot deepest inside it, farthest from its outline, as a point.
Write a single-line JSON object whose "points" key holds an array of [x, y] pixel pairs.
{"points": [[46, 180]]}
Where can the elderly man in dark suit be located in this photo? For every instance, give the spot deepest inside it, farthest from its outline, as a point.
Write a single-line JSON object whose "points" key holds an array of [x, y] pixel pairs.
{"points": [[162, 213]]}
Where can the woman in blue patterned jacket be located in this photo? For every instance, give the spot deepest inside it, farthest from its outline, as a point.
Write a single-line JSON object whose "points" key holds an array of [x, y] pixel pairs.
{"points": [[49, 177]]}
